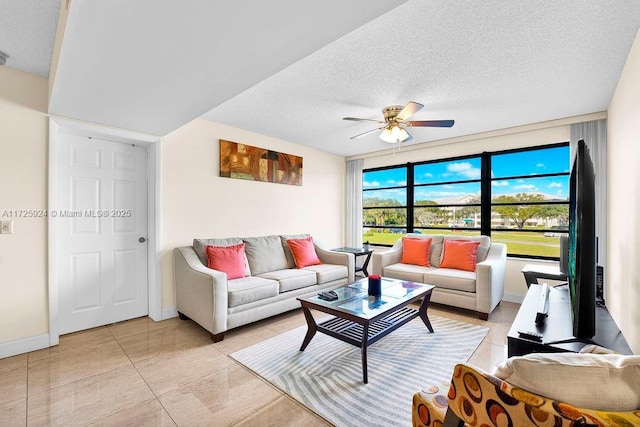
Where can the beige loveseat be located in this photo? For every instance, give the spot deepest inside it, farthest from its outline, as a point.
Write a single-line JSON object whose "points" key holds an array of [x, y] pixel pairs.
{"points": [[480, 290], [271, 286]]}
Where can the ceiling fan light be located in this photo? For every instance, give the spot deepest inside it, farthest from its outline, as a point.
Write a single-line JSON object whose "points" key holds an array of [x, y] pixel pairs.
{"points": [[393, 134]]}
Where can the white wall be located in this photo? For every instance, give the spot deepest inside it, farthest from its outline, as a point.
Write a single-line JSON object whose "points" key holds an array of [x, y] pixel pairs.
{"points": [[198, 203], [623, 193], [23, 185]]}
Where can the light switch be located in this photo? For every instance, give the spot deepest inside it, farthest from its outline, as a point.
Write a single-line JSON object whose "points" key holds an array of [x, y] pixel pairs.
{"points": [[6, 227]]}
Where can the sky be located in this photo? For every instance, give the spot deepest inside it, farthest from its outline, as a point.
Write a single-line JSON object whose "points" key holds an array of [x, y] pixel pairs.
{"points": [[523, 163]]}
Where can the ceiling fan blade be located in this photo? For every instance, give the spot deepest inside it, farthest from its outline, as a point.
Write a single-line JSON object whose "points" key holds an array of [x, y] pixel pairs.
{"points": [[367, 132], [431, 123], [356, 119], [409, 110]]}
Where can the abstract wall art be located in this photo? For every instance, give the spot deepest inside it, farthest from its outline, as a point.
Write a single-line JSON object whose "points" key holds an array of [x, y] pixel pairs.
{"points": [[243, 161]]}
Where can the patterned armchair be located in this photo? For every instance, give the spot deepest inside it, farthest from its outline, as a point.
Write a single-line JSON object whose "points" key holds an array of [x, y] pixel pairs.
{"points": [[475, 398]]}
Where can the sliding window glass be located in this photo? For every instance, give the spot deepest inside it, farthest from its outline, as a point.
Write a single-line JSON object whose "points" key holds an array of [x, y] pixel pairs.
{"points": [[384, 205], [446, 196], [530, 200]]}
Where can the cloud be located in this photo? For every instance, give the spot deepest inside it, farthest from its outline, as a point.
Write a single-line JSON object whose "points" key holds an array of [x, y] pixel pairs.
{"points": [[528, 187], [428, 175], [465, 169], [555, 185], [371, 184], [540, 165], [500, 183]]}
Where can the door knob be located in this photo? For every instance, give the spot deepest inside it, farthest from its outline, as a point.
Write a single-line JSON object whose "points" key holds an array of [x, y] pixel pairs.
{"points": [[142, 240]]}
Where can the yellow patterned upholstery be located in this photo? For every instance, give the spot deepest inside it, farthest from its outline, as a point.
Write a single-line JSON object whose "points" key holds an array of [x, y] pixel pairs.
{"points": [[479, 399]]}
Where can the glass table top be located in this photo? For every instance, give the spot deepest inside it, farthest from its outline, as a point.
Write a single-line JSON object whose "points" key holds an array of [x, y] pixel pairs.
{"points": [[354, 299]]}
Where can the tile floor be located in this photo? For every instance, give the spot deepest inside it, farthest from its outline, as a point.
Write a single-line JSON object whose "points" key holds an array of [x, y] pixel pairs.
{"points": [[143, 373]]}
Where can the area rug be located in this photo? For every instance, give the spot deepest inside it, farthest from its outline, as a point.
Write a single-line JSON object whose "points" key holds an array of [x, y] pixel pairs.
{"points": [[327, 376]]}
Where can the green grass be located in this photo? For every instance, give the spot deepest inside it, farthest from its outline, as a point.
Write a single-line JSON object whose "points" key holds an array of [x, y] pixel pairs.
{"points": [[518, 243]]}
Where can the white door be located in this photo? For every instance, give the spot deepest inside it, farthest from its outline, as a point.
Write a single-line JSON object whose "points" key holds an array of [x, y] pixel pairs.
{"points": [[102, 229]]}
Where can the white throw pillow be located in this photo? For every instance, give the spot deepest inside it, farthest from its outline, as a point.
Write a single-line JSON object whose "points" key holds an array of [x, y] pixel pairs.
{"points": [[604, 382]]}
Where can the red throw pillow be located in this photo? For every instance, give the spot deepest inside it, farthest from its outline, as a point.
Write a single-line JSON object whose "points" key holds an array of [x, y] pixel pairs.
{"points": [[416, 251], [460, 254], [228, 259], [303, 251]]}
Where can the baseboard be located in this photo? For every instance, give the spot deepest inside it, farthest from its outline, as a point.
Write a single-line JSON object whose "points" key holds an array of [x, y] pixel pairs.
{"points": [[513, 298], [24, 345], [169, 313]]}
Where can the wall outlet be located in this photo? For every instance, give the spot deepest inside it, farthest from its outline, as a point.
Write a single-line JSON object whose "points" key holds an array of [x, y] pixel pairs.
{"points": [[6, 227]]}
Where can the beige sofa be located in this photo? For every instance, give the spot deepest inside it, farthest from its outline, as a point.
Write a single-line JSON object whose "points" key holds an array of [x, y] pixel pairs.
{"points": [[273, 283], [480, 290]]}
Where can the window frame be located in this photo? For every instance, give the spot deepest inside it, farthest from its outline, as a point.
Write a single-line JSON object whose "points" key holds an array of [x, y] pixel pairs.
{"points": [[393, 187], [486, 203]]}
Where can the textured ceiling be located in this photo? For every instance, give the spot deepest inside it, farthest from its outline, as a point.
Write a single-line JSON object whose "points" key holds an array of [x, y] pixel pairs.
{"points": [[27, 33], [154, 65], [486, 64], [292, 69]]}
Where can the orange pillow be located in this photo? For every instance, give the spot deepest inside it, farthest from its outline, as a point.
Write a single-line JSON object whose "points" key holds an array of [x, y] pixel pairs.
{"points": [[228, 259], [303, 251], [460, 254], [416, 251]]}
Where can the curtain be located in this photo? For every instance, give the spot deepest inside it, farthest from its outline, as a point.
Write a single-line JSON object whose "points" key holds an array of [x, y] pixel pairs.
{"points": [[354, 203], [594, 134]]}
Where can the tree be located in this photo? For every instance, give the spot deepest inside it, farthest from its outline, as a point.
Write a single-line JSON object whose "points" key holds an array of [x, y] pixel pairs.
{"points": [[469, 211], [519, 214], [427, 213], [384, 212]]}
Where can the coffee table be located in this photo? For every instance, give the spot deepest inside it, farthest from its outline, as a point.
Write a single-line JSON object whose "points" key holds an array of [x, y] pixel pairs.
{"points": [[360, 319]]}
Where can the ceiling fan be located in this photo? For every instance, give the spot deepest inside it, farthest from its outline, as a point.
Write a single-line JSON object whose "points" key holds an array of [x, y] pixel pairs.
{"points": [[395, 122]]}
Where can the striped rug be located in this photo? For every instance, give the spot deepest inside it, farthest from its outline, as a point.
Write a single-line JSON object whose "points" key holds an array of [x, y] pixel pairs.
{"points": [[327, 376]]}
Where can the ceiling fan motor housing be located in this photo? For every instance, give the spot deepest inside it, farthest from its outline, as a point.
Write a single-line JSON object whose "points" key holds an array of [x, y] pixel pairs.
{"points": [[391, 112]]}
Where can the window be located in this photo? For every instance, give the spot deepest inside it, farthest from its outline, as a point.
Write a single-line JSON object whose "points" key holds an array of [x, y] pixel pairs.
{"points": [[530, 200], [447, 195], [384, 204], [522, 195]]}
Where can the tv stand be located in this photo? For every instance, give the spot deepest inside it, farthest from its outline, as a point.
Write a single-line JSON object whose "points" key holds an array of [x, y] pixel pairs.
{"points": [[557, 330], [585, 341]]}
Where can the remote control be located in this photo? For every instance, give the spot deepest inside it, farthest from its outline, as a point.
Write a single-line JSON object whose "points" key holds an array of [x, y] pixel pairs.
{"points": [[530, 335], [328, 296]]}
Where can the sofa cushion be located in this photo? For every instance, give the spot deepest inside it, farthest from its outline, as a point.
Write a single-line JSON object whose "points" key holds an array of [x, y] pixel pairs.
{"points": [[460, 254], [250, 289], [415, 251], [304, 252], [199, 246], [447, 278], [328, 272], [607, 382], [265, 254], [435, 252], [410, 272], [291, 279], [287, 252], [228, 259], [483, 249]]}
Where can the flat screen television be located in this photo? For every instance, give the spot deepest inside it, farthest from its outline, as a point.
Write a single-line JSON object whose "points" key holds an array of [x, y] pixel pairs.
{"points": [[582, 244]]}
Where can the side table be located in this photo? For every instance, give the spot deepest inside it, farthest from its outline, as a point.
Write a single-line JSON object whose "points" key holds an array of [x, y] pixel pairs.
{"points": [[534, 272], [356, 253]]}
